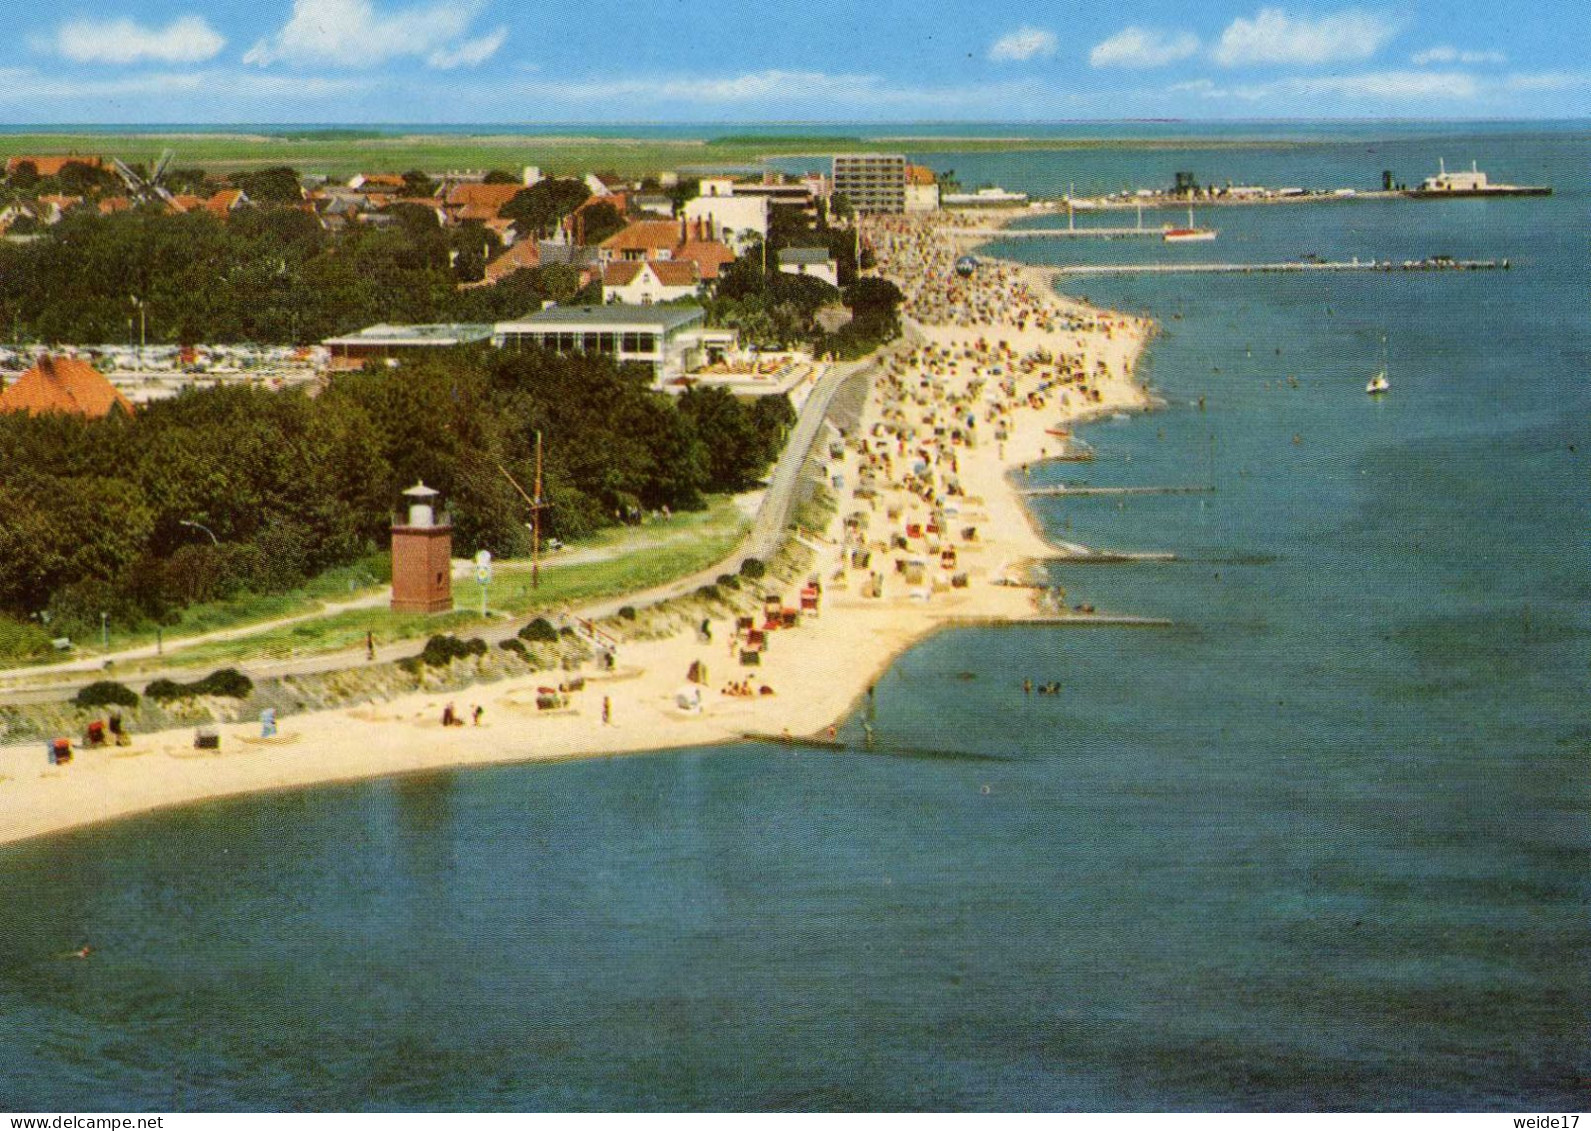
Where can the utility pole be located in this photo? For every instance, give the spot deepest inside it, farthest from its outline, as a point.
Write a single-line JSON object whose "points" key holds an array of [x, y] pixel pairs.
{"points": [[535, 518], [536, 507]]}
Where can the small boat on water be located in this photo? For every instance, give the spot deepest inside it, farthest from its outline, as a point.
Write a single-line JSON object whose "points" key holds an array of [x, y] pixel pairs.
{"points": [[1190, 234], [1379, 384]]}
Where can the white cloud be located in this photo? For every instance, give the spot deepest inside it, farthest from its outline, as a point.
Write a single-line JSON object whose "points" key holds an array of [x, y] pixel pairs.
{"points": [[1273, 36], [469, 54], [1449, 55], [1367, 86], [187, 39], [1143, 47], [352, 33], [1024, 43]]}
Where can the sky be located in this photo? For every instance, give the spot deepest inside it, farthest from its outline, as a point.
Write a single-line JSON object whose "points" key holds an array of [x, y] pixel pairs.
{"points": [[528, 61]]}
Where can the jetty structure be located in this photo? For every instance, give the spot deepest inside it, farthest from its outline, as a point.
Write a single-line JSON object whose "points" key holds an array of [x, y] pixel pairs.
{"points": [[1435, 263], [1472, 183]]}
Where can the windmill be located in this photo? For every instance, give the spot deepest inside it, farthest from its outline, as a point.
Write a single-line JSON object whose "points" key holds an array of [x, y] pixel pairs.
{"points": [[143, 188]]}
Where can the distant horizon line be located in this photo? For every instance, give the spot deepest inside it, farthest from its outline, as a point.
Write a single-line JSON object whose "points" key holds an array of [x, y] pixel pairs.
{"points": [[796, 122]]}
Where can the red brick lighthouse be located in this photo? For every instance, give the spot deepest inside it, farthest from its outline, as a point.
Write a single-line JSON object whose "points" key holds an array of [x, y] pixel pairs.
{"points": [[422, 555]]}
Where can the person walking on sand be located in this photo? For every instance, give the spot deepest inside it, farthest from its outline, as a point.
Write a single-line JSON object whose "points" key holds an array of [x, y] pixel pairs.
{"points": [[607, 710], [478, 712]]}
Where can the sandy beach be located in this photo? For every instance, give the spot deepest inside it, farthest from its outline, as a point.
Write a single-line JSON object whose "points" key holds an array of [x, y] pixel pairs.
{"points": [[997, 367]]}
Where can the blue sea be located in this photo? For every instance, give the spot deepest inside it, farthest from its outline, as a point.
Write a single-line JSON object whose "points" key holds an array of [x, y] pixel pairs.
{"points": [[1320, 845]]}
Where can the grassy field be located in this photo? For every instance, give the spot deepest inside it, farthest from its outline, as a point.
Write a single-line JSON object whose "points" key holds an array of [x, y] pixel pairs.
{"points": [[341, 153], [633, 559]]}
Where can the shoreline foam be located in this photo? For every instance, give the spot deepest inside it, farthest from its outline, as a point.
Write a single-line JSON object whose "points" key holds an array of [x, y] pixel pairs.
{"points": [[818, 672]]}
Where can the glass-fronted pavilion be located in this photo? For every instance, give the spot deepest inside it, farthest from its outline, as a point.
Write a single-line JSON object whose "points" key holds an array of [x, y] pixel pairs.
{"points": [[659, 336]]}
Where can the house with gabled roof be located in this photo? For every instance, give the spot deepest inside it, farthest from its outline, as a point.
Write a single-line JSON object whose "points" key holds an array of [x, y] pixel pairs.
{"points": [[376, 182], [521, 256], [63, 384], [476, 201], [642, 240], [649, 282]]}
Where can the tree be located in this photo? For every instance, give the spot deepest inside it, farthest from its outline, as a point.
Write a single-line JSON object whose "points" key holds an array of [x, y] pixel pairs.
{"points": [[499, 177], [598, 222], [24, 176], [731, 443], [417, 183], [537, 209], [276, 185]]}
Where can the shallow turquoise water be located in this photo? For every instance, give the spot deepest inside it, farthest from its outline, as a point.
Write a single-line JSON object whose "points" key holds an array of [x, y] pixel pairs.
{"points": [[1321, 845]]}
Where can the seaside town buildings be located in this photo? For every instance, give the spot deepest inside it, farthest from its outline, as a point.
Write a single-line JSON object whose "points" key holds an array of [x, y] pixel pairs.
{"points": [[871, 182], [672, 248]]}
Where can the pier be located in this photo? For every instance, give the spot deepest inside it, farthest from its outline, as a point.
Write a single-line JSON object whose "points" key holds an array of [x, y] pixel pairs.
{"points": [[1063, 489], [1090, 231], [1289, 268]]}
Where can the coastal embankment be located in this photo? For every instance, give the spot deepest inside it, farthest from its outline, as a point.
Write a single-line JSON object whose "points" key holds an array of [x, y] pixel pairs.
{"points": [[930, 532]]}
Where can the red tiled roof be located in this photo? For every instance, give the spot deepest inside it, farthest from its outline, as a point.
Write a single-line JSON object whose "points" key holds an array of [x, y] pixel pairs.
{"points": [[645, 235], [490, 197], [708, 255], [622, 273], [224, 201], [62, 384], [920, 175], [668, 272], [675, 272], [51, 166], [521, 255], [114, 204]]}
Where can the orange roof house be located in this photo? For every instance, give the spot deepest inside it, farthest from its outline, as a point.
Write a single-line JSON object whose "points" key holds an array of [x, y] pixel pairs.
{"points": [[661, 240], [51, 166], [63, 384], [710, 256], [482, 201], [225, 201], [521, 256], [644, 239]]}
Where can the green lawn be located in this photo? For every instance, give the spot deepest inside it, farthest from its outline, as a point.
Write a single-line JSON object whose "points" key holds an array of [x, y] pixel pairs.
{"points": [[641, 557]]}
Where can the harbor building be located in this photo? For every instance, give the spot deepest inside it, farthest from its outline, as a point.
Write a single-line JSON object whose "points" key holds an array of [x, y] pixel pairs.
{"points": [[871, 182], [392, 344], [670, 339]]}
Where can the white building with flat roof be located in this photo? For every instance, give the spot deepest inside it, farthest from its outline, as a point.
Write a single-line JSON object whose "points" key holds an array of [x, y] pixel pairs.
{"points": [[813, 262], [735, 218], [667, 338]]}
